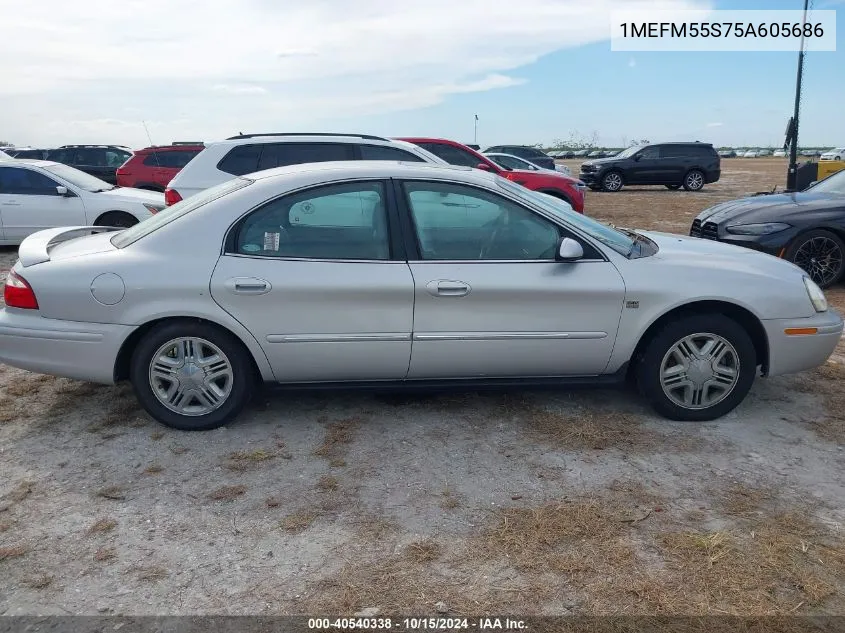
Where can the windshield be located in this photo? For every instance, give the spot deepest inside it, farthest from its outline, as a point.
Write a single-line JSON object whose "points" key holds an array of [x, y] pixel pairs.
{"points": [[627, 153], [832, 184], [79, 178], [168, 215], [618, 241]]}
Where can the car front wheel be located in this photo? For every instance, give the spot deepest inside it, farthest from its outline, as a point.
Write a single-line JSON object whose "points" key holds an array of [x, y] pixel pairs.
{"points": [[191, 376], [612, 181], [820, 253], [697, 368]]}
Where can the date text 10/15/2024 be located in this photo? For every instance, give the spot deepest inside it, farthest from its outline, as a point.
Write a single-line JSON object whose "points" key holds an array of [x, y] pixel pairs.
{"points": [[416, 624]]}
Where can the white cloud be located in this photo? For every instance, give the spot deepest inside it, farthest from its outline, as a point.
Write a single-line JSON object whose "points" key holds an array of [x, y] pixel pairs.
{"points": [[716, 124], [632, 63], [102, 60]]}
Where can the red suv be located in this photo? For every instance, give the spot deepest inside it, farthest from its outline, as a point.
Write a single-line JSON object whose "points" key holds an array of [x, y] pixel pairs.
{"points": [[569, 189], [153, 167]]}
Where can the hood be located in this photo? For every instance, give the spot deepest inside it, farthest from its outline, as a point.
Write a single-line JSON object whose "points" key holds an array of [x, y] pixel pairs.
{"points": [[548, 173], [709, 253], [598, 162], [768, 208], [128, 194]]}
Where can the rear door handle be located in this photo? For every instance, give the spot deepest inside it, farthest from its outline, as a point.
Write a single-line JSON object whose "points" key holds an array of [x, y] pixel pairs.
{"points": [[448, 288], [248, 286]]}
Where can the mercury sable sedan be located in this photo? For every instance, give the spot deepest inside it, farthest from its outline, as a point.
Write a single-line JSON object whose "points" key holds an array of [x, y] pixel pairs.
{"points": [[381, 274]]}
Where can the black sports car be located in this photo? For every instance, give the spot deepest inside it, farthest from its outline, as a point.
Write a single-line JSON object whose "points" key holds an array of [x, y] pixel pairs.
{"points": [[806, 228]]}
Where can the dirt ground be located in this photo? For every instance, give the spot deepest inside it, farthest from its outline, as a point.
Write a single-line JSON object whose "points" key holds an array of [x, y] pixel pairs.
{"points": [[548, 502]]}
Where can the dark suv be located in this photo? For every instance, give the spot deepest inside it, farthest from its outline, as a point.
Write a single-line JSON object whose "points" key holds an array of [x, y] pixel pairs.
{"points": [[536, 156], [101, 161], [674, 165]]}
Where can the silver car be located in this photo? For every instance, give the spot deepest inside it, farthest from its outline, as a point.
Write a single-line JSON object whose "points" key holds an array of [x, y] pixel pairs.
{"points": [[383, 274]]}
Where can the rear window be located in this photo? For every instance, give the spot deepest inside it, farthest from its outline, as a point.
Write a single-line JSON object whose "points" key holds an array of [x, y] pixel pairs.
{"points": [[175, 159], [162, 218]]}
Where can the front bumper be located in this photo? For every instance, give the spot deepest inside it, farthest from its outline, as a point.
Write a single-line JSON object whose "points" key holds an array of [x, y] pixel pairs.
{"points": [[589, 177], [84, 351], [791, 353]]}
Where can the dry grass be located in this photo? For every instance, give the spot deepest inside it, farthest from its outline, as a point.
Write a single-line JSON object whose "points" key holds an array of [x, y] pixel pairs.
{"points": [[449, 499], [28, 385], [115, 493], [328, 483], [827, 381], [154, 469], [241, 461], [339, 435], [17, 494], [105, 554], [155, 436], [102, 526], [227, 493], [298, 521], [13, 551], [178, 449], [739, 499], [423, 551], [152, 574], [41, 581]]}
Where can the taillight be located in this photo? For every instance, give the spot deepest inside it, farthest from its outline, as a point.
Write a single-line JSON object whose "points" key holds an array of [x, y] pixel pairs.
{"points": [[17, 293], [171, 196]]}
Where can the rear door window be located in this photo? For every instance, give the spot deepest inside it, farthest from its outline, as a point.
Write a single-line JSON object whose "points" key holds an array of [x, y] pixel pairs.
{"points": [[282, 154], [241, 160]]}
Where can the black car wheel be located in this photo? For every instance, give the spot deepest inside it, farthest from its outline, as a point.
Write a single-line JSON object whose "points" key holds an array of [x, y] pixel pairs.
{"points": [[694, 180], [118, 219], [673, 187], [612, 181], [820, 253], [697, 367]]}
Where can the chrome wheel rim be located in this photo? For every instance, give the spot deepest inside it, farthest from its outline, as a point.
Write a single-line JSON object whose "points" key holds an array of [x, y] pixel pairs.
{"points": [[695, 180], [699, 371], [821, 258], [613, 182], [191, 376]]}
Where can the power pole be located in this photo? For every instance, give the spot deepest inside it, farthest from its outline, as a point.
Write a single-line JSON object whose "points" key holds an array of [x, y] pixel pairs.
{"points": [[792, 174], [475, 134]]}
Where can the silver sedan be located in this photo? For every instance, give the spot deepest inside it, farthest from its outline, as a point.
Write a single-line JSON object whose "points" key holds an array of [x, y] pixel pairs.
{"points": [[383, 274]]}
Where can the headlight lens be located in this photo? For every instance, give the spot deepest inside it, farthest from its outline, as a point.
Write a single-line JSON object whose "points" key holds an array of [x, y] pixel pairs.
{"points": [[758, 229], [816, 295]]}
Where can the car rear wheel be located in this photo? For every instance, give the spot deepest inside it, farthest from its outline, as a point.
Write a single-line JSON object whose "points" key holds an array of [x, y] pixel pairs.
{"points": [[117, 218], [191, 376], [694, 180], [697, 368], [820, 253], [612, 181], [673, 187]]}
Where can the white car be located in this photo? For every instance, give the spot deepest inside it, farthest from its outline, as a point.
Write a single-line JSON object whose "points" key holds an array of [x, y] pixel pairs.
{"points": [[39, 194], [509, 161], [249, 153], [837, 153], [752, 153], [779, 153]]}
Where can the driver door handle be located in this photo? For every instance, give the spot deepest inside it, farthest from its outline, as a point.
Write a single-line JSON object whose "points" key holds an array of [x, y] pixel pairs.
{"points": [[448, 288]]}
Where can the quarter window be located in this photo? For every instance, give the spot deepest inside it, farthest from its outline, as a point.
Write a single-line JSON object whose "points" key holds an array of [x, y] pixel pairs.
{"points": [[241, 160], [457, 222], [342, 221]]}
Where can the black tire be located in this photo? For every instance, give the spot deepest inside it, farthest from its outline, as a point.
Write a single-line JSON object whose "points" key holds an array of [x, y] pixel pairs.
{"points": [[117, 218], [242, 382], [673, 187], [694, 180], [649, 365], [825, 241], [612, 181]]}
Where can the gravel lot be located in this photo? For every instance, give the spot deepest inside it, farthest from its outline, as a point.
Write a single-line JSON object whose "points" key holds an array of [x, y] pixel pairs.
{"points": [[548, 502]]}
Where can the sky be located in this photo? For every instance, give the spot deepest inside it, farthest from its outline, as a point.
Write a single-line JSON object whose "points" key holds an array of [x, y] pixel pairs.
{"points": [[534, 71]]}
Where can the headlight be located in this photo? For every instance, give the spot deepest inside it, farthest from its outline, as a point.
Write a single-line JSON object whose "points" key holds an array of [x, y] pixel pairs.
{"points": [[757, 229], [816, 295], [154, 208]]}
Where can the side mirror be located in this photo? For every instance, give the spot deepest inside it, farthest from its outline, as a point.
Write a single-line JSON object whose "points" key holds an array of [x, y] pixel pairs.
{"points": [[569, 250], [483, 167], [637, 157], [62, 191]]}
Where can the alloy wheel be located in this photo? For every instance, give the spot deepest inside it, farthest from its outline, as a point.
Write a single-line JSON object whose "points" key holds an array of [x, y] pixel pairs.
{"points": [[821, 257], [612, 182], [695, 181], [699, 371]]}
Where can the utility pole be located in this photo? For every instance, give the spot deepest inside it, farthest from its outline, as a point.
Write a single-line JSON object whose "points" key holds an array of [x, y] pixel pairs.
{"points": [[792, 174], [475, 134]]}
